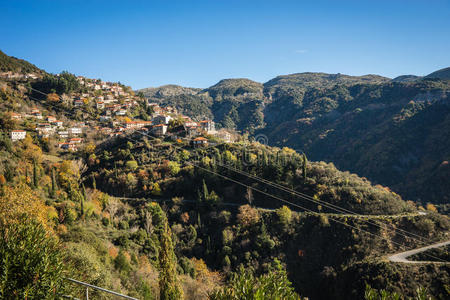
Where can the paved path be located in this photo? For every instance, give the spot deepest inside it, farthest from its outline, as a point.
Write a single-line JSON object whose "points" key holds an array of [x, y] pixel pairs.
{"points": [[403, 256]]}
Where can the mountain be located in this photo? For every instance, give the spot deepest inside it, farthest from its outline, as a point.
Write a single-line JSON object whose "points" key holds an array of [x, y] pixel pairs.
{"points": [[380, 128], [168, 91], [406, 78], [159, 216], [320, 80], [440, 74], [17, 66]]}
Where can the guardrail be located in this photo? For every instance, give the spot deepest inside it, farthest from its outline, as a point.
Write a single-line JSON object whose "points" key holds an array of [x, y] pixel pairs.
{"points": [[87, 285]]}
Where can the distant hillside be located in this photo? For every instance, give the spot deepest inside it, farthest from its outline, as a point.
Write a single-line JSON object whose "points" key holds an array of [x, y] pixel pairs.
{"points": [[16, 65], [321, 80], [377, 127], [168, 91], [440, 74], [236, 88], [395, 134], [406, 78]]}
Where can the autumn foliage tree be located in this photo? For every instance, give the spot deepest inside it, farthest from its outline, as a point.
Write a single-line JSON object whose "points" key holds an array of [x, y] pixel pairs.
{"points": [[53, 97]]}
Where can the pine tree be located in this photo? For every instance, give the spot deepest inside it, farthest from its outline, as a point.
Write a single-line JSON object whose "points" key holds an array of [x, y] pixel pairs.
{"points": [[169, 286]]}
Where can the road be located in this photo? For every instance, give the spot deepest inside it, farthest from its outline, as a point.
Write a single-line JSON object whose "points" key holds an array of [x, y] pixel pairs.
{"points": [[403, 256]]}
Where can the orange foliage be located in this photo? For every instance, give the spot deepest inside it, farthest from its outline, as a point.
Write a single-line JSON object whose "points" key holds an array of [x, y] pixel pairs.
{"points": [[248, 215], [21, 200], [184, 217], [61, 229], [431, 207], [204, 275], [127, 256], [113, 252], [53, 97]]}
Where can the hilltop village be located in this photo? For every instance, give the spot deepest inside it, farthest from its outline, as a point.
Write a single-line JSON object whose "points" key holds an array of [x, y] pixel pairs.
{"points": [[106, 110]]}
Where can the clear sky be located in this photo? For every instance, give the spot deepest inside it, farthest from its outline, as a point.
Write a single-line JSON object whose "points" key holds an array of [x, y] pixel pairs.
{"points": [[197, 43]]}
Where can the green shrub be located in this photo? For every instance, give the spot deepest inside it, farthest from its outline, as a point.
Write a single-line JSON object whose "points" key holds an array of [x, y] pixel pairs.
{"points": [[32, 262], [124, 225], [244, 285], [121, 263]]}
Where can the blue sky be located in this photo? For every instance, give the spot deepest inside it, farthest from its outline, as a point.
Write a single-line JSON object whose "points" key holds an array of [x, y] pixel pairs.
{"points": [[197, 43]]}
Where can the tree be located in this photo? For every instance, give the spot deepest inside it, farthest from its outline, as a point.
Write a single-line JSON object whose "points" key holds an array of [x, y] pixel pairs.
{"points": [[132, 165], [54, 187], [32, 262], [53, 97], [35, 175], [82, 199], [305, 161], [169, 286], [249, 195], [248, 215], [284, 216]]}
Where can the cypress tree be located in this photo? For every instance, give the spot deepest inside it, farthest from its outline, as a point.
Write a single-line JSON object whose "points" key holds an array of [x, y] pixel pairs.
{"points": [[305, 161], [35, 175], [53, 191], [26, 174], [82, 199], [205, 191], [169, 286]]}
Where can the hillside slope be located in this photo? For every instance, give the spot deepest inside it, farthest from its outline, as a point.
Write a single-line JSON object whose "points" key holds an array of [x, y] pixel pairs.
{"points": [[17, 66], [380, 128], [440, 74]]}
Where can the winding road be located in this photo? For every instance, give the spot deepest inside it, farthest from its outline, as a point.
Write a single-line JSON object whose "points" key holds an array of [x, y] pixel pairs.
{"points": [[403, 256]]}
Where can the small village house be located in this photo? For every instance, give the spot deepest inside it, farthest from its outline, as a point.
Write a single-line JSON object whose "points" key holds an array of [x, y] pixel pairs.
{"points": [[200, 141], [17, 135], [159, 130]]}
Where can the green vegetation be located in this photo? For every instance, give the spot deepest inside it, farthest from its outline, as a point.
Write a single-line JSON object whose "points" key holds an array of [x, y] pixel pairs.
{"points": [[378, 128], [245, 286], [32, 262], [15, 65], [158, 219]]}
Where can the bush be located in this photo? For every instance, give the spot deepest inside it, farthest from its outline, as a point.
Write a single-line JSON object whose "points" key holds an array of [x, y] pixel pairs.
{"points": [[121, 262], [244, 285], [124, 225], [284, 216], [248, 215], [32, 262], [105, 221], [131, 165]]}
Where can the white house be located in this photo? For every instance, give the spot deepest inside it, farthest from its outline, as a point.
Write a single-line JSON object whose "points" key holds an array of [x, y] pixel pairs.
{"points": [[75, 131], [100, 105], [18, 135], [161, 119], [121, 112], [63, 134], [208, 126], [159, 130], [200, 141], [58, 123]]}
